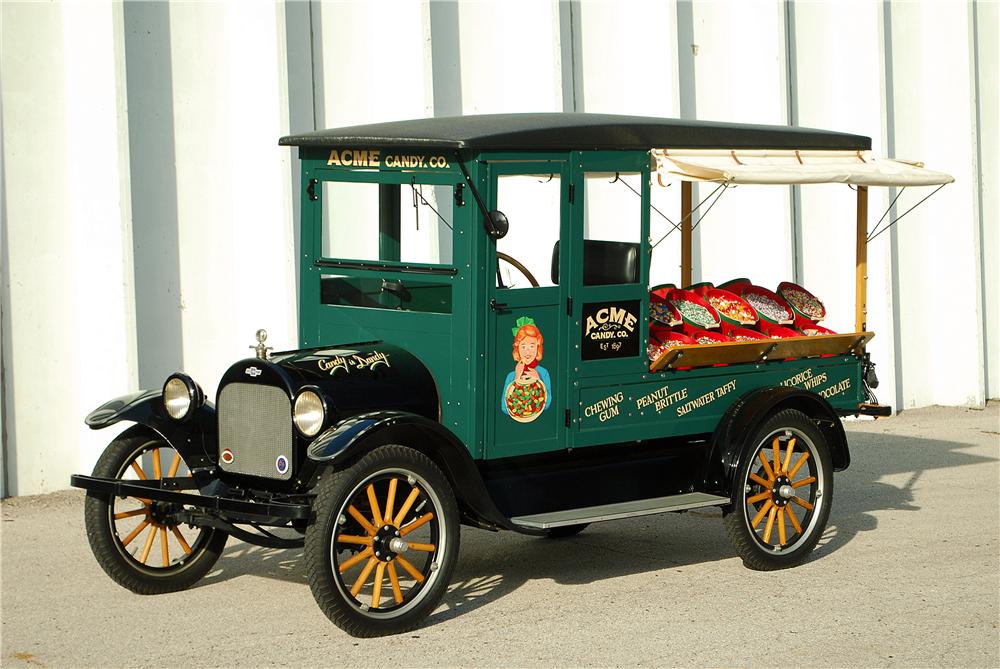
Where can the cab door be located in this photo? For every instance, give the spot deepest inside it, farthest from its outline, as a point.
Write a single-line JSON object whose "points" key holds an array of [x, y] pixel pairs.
{"points": [[527, 323], [608, 275]]}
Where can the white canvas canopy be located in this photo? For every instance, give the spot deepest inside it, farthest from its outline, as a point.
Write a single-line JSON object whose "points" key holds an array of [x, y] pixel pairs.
{"points": [[859, 168]]}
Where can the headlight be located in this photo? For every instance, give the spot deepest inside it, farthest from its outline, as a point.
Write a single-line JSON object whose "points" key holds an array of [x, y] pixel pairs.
{"points": [[180, 395], [309, 413]]}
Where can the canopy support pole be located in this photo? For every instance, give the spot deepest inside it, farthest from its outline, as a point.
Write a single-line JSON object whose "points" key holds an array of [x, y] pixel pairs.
{"points": [[861, 268], [686, 264]]}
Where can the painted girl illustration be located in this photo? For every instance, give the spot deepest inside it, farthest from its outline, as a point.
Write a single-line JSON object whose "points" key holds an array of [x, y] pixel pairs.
{"points": [[527, 389]]}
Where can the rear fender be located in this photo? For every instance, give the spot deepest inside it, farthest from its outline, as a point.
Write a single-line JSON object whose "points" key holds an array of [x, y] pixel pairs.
{"points": [[730, 442], [195, 437], [351, 438]]}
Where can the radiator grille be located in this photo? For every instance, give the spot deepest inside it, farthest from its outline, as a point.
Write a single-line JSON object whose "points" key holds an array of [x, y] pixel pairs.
{"points": [[255, 425]]}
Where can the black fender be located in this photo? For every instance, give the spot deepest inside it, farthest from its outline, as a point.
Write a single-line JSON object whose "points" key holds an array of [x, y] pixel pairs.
{"points": [[352, 437], [730, 441], [195, 437]]}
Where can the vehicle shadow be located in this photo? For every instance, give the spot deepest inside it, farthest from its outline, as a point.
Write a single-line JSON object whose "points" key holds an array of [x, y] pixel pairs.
{"points": [[492, 565]]}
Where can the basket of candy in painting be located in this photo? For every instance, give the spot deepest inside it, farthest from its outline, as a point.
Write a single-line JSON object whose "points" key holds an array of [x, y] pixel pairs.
{"points": [[802, 301], [769, 306], [696, 313]]}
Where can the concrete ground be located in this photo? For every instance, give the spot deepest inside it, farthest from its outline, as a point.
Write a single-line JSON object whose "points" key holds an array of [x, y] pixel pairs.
{"points": [[907, 574]]}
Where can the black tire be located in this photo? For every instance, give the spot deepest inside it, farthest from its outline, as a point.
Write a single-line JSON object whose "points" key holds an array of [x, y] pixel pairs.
{"points": [[566, 531], [344, 543], [185, 554], [789, 491]]}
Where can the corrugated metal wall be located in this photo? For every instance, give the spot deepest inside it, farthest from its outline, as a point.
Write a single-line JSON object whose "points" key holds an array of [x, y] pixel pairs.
{"points": [[148, 215]]}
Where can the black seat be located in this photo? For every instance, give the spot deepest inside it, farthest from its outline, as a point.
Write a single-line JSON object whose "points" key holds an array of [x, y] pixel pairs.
{"points": [[604, 263]]}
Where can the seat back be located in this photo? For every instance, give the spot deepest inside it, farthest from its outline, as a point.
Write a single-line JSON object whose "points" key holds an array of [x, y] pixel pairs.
{"points": [[604, 263]]}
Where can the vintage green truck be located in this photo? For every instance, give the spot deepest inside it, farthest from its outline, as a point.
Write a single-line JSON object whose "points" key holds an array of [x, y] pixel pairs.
{"points": [[431, 389]]}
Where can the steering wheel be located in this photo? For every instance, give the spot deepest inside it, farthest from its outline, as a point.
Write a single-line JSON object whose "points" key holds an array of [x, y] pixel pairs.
{"points": [[519, 266]]}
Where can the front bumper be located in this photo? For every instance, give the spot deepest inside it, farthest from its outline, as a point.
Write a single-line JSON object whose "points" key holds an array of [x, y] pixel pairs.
{"points": [[164, 490]]}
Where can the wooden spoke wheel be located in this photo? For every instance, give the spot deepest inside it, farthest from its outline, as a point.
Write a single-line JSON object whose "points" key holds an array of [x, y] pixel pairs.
{"points": [[782, 494], [137, 541], [383, 542]]}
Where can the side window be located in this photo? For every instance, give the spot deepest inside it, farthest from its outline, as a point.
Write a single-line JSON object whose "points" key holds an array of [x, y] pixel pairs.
{"points": [[532, 206], [409, 223], [612, 225]]}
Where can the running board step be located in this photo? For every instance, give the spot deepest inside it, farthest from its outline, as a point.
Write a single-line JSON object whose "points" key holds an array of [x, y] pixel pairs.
{"points": [[640, 507]]}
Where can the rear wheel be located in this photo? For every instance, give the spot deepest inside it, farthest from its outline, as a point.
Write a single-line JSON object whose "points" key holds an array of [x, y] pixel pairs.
{"points": [[383, 542], [783, 492], [134, 539]]}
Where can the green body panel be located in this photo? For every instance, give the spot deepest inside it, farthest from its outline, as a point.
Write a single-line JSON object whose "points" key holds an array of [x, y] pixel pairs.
{"points": [[467, 344]]}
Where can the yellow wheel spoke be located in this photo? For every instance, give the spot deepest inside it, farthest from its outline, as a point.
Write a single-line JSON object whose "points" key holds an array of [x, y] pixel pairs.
{"points": [[361, 520], [419, 522], [149, 544], [358, 584], [770, 524], [134, 533], [759, 497], [801, 502], [351, 539], [397, 595], [806, 481], [791, 517], [138, 470], [376, 512], [405, 509], [776, 445], [134, 512], [768, 505], [163, 547], [767, 465], [174, 466], [802, 461], [156, 463], [788, 454], [377, 588], [390, 499], [181, 541], [405, 564], [347, 564], [781, 527], [758, 480], [427, 548]]}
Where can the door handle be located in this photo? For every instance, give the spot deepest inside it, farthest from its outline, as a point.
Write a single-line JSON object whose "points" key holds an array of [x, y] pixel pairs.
{"points": [[497, 306]]}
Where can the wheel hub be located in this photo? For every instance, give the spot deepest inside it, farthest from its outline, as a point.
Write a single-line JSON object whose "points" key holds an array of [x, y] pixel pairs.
{"points": [[162, 514], [782, 491], [386, 543]]}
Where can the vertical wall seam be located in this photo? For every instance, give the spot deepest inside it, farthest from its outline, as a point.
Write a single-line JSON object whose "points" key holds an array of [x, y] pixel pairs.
{"points": [[889, 133], [977, 204], [688, 106], [792, 111], [312, 72], [6, 393]]}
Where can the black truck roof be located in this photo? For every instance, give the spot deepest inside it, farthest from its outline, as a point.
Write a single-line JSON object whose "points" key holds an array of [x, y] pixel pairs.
{"points": [[574, 131]]}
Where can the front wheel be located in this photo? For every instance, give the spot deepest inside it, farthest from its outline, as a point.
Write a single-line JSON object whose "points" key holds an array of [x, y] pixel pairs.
{"points": [[135, 540], [782, 493], [382, 542]]}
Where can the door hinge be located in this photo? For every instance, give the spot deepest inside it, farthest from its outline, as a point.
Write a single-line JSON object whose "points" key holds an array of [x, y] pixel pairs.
{"points": [[572, 193], [569, 306], [569, 418], [311, 189]]}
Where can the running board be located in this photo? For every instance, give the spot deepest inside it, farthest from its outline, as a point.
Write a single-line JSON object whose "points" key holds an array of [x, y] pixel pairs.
{"points": [[640, 507]]}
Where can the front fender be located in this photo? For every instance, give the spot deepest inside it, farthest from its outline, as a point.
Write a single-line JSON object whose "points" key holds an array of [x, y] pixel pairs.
{"points": [[730, 439], [353, 437], [195, 438]]}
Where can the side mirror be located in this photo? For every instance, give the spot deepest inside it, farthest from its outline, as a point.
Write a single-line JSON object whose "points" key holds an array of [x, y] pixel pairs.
{"points": [[496, 224]]}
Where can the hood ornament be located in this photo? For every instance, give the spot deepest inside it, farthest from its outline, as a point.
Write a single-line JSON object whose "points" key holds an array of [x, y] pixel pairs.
{"points": [[260, 349]]}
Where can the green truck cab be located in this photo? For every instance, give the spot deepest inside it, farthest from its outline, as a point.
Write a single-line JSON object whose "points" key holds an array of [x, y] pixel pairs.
{"points": [[474, 309]]}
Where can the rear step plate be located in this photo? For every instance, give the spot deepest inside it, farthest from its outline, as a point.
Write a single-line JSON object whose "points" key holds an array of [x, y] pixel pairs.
{"points": [[640, 507]]}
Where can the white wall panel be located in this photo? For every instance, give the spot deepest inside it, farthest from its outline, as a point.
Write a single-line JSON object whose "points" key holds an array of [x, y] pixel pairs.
{"points": [[233, 202], [938, 243], [739, 77], [70, 314]]}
